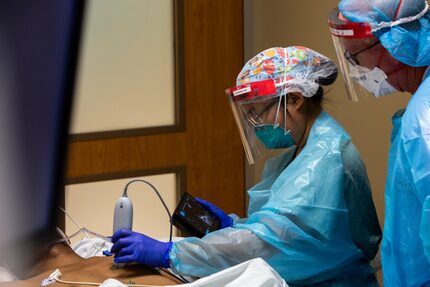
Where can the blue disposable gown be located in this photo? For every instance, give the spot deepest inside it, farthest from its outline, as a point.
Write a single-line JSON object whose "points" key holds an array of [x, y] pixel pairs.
{"points": [[407, 193], [312, 218]]}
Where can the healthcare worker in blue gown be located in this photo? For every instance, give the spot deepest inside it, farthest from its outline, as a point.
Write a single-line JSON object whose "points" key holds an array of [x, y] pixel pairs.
{"points": [[384, 47], [311, 217]]}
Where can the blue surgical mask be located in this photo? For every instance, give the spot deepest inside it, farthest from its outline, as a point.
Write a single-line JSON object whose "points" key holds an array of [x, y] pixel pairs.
{"points": [[274, 137]]}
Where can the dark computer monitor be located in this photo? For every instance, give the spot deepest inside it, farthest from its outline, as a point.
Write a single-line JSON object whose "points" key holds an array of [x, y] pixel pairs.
{"points": [[39, 42]]}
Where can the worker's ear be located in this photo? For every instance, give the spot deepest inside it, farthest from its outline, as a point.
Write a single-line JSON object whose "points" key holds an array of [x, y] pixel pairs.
{"points": [[296, 100]]}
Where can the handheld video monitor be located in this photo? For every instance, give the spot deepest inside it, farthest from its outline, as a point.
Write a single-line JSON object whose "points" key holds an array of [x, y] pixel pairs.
{"points": [[191, 217]]}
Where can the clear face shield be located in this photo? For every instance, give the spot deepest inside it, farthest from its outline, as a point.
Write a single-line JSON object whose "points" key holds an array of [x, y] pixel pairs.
{"points": [[259, 113], [358, 51]]}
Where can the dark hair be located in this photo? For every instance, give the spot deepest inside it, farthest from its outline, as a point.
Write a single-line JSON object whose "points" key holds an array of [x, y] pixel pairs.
{"points": [[330, 79], [318, 97], [323, 81]]}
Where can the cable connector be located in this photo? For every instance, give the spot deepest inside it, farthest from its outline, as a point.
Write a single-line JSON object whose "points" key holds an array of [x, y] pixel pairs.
{"points": [[52, 278]]}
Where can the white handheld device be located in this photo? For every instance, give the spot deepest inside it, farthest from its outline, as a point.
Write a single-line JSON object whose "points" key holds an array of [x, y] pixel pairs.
{"points": [[123, 215]]}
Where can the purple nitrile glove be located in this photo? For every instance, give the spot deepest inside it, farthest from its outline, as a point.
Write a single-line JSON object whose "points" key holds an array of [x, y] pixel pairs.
{"points": [[130, 246], [225, 220]]}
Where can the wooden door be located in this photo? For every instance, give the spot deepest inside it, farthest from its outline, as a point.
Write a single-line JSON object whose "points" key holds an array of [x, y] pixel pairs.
{"points": [[203, 147]]}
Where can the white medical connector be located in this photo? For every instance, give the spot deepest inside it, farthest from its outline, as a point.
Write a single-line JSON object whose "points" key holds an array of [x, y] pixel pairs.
{"points": [[51, 278]]}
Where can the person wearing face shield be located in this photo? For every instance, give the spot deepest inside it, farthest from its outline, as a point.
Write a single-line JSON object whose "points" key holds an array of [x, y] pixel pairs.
{"points": [[311, 217], [384, 47]]}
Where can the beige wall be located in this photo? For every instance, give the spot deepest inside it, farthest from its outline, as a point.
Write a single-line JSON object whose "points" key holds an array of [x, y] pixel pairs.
{"points": [[270, 23], [92, 205]]}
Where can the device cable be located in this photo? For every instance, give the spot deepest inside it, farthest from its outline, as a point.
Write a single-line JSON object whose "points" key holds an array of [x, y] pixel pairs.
{"points": [[124, 194]]}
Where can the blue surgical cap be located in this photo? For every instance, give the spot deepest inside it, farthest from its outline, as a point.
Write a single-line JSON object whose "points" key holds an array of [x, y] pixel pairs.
{"points": [[403, 27]]}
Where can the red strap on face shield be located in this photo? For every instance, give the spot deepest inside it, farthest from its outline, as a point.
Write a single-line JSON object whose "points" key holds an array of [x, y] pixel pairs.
{"points": [[346, 29], [252, 90]]}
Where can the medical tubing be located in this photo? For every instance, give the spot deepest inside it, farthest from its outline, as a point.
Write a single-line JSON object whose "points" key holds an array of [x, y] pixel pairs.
{"points": [[64, 236], [177, 276], [98, 284], [124, 194], [81, 229], [77, 283]]}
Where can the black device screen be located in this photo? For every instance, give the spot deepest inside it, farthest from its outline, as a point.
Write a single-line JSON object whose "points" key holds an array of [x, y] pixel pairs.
{"points": [[191, 217]]}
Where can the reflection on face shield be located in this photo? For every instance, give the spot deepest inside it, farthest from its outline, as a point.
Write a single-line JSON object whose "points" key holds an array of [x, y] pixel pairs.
{"points": [[266, 124], [374, 81], [255, 111]]}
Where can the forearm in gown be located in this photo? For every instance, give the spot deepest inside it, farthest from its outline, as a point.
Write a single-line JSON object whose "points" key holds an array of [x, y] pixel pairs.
{"points": [[217, 251]]}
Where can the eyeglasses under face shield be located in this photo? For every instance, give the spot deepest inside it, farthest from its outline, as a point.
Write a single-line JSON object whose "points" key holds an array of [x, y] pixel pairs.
{"points": [[353, 57], [253, 105]]}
